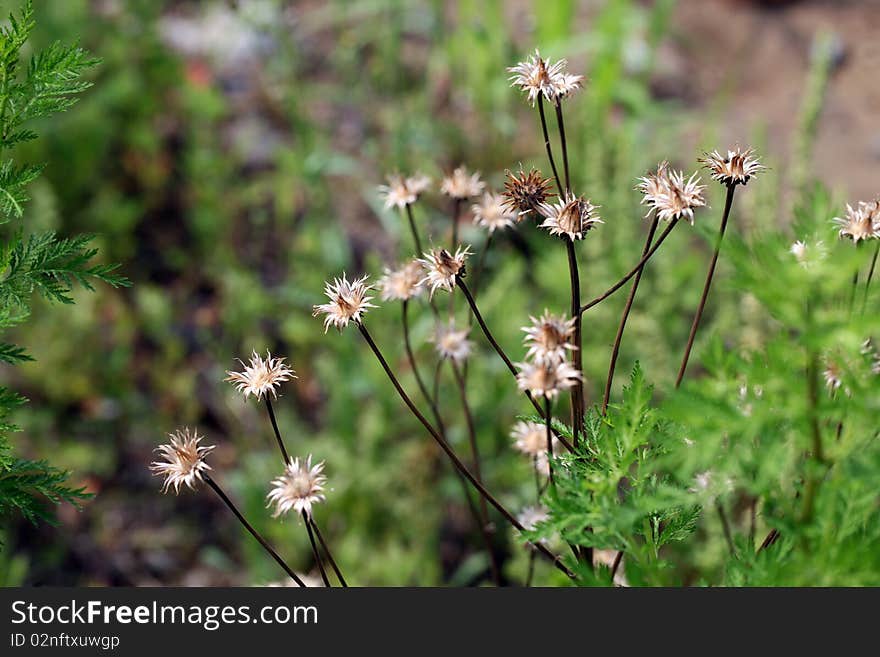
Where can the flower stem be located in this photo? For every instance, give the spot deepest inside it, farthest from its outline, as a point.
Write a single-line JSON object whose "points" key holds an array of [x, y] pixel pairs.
{"points": [[281, 447], [725, 525], [870, 276], [449, 451], [547, 143], [635, 270], [548, 416], [329, 554], [253, 532], [702, 305], [315, 551], [577, 390], [412, 226], [615, 351], [415, 369], [561, 124]]}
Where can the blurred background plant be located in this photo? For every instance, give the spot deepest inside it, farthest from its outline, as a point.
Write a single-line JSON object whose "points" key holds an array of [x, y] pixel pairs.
{"points": [[229, 154]]}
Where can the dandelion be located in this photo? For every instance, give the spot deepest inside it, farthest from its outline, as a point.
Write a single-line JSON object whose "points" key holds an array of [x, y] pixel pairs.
{"points": [[549, 338], [861, 222], [539, 77], [184, 460], [526, 192], [734, 169], [669, 195], [403, 283], [348, 302], [443, 268], [461, 184], [452, 344], [546, 379], [401, 192], [572, 216], [492, 214], [260, 376], [301, 486]]}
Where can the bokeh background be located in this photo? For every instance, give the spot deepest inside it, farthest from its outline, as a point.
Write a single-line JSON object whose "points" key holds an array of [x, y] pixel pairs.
{"points": [[228, 156]]}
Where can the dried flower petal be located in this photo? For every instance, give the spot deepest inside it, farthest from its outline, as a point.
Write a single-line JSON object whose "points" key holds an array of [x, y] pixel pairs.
{"points": [[184, 460], [461, 184], [348, 302], [526, 192], [301, 486], [442, 268], [572, 216], [403, 283], [492, 214], [734, 169], [261, 377]]}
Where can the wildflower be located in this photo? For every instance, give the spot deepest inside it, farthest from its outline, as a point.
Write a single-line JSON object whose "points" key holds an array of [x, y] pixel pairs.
{"points": [[549, 338], [861, 223], [348, 302], [539, 77], [530, 438], [261, 377], [669, 195], [301, 486], [542, 463], [546, 379], [532, 516], [807, 255], [572, 216], [491, 213], [461, 184], [734, 169], [401, 191], [442, 268], [452, 344], [403, 283], [833, 375], [526, 192], [183, 460]]}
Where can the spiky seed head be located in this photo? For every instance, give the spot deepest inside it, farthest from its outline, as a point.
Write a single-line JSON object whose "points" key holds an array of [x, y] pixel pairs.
{"points": [[452, 344], [736, 168], [669, 195], [546, 379], [572, 216], [260, 376], [403, 283], [461, 184], [402, 191], [539, 77], [861, 222], [549, 337], [348, 302], [530, 438], [492, 214], [526, 192], [182, 460], [442, 268], [298, 488]]}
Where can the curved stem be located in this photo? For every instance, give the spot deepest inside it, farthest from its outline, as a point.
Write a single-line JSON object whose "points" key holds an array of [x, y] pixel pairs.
{"points": [[577, 390], [547, 143], [281, 447], [725, 526], [315, 551], [450, 452], [635, 270], [412, 226], [329, 554], [615, 351], [418, 377], [708, 284], [253, 532], [562, 140], [870, 276]]}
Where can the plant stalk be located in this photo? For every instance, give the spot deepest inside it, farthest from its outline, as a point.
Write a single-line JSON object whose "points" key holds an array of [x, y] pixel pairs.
{"points": [[315, 550]]}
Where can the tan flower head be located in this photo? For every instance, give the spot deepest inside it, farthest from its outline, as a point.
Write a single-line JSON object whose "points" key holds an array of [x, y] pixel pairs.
{"points": [[261, 377], [301, 486], [532, 516], [539, 77], [549, 338], [403, 283], [401, 191], [734, 169], [526, 192], [572, 216], [808, 254], [348, 302], [530, 438], [492, 214], [442, 268], [452, 344], [833, 375], [183, 460], [461, 184], [669, 195], [861, 222], [546, 379]]}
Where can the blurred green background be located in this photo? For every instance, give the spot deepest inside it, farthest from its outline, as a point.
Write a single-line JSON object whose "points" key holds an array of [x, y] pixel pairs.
{"points": [[228, 156]]}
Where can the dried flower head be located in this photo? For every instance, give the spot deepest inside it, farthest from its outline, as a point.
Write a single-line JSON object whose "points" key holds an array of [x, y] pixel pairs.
{"points": [[184, 460], [734, 169], [572, 216], [807, 255], [403, 283], [492, 214], [402, 191], [301, 486], [461, 184], [861, 222], [539, 77], [348, 302], [532, 516], [452, 344], [549, 338], [542, 463], [833, 375], [530, 438], [261, 377], [546, 379], [669, 195], [526, 192], [442, 268]]}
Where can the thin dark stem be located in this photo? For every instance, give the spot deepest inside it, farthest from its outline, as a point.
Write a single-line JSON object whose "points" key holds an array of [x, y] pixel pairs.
{"points": [[329, 554], [315, 550], [415, 233], [817, 453], [253, 532], [577, 390], [725, 525], [450, 452], [772, 536], [615, 351], [562, 140], [753, 520], [547, 143], [413, 365], [531, 572], [548, 416], [281, 447], [852, 294], [635, 270], [481, 264], [702, 305], [618, 559], [870, 276]]}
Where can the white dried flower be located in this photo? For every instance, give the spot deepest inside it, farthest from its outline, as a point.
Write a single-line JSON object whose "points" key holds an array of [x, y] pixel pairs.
{"points": [[532, 516], [301, 486], [572, 216], [539, 77], [808, 255], [669, 195], [401, 191], [546, 379], [452, 344], [461, 184], [530, 438], [442, 268], [348, 302], [184, 460], [861, 222], [403, 283], [260, 376], [549, 338], [492, 214], [734, 169]]}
